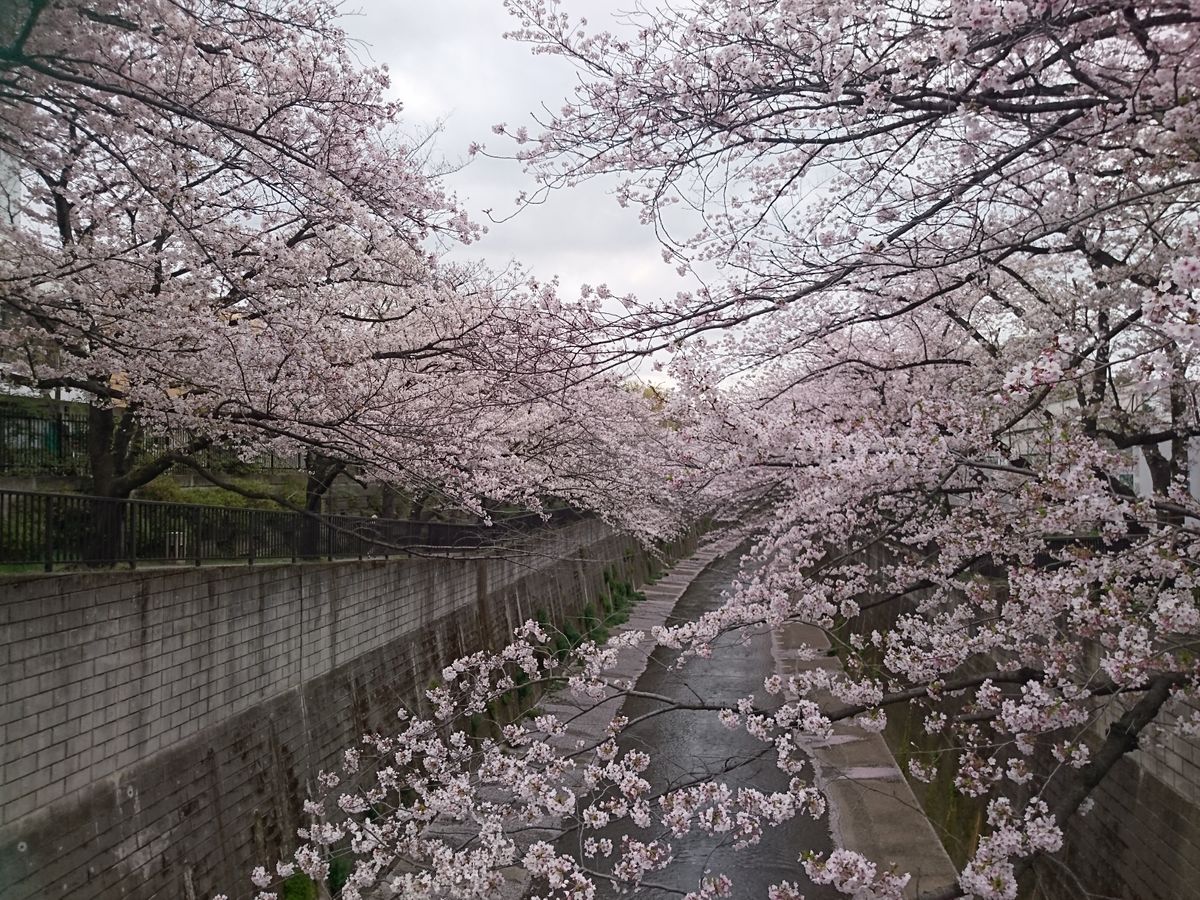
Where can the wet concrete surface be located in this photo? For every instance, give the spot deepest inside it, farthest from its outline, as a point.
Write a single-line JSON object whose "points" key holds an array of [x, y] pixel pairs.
{"points": [[688, 745]]}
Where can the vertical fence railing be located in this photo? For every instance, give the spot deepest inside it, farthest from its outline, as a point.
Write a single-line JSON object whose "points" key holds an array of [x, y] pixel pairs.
{"points": [[55, 443], [66, 529]]}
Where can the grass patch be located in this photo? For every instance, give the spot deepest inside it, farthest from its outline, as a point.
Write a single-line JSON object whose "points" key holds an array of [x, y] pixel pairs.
{"points": [[168, 490], [298, 887], [957, 818]]}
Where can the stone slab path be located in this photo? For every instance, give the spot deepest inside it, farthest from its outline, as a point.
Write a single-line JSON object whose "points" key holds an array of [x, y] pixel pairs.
{"points": [[872, 807]]}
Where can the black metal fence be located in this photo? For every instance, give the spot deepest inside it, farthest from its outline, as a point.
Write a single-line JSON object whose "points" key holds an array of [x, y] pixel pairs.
{"points": [[55, 443], [52, 444], [67, 529]]}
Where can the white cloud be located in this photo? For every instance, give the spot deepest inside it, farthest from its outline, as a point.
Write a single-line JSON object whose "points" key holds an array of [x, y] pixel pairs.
{"points": [[450, 63]]}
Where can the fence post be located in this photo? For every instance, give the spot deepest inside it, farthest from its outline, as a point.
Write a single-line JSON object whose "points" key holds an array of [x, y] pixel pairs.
{"points": [[132, 525], [196, 533], [50, 508]]}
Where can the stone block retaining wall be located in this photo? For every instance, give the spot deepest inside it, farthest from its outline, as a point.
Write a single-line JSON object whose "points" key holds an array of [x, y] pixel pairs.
{"points": [[159, 727]]}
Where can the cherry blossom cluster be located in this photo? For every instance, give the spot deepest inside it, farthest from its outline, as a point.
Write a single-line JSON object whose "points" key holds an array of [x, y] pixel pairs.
{"points": [[946, 371], [430, 811], [219, 224]]}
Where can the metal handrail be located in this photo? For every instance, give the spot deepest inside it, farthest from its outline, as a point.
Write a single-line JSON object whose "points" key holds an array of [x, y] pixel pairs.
{"points": [[73, 529]]}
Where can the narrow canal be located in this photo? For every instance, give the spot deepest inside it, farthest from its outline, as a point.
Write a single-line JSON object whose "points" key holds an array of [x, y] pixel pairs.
{"points": [[686, 744]]}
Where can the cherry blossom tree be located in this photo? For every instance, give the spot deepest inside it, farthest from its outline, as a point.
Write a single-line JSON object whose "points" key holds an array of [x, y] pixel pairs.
{"points": [[218, 227], [957, 257], [179, 172], [957, 269]]}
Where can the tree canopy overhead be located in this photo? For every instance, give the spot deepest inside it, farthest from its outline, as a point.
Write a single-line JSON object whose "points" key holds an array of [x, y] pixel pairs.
{"points": [[217, 224], [950, 360], [873, 157]]}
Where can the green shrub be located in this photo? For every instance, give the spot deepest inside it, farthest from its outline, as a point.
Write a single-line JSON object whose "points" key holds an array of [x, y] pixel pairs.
{"points": [[168, 490], [572, 634], [339, 873], [561, 646], [524, 691], [298, 887]]}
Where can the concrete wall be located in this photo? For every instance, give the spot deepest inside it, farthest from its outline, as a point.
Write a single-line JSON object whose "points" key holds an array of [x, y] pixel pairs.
{"points": [[159, 727], [1141, 841]]}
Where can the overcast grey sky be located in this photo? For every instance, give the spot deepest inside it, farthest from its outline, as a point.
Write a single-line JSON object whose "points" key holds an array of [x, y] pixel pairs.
{"points": [[449, 61]]}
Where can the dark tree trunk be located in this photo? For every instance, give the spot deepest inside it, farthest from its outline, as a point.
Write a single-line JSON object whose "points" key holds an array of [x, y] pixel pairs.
{"points": [[1166, 471], [118, 468], [101, 458], [388, 502], [105, 526], [423, 507], [322, 470]]}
